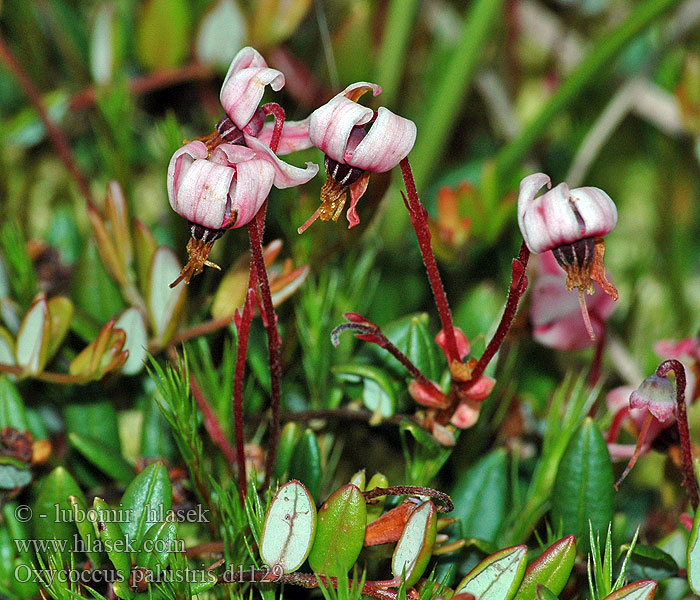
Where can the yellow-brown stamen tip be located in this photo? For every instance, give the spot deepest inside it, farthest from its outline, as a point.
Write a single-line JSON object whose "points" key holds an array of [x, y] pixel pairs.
{"points": [[598, 270], [333, 197], [211, 140], [198, 253]]}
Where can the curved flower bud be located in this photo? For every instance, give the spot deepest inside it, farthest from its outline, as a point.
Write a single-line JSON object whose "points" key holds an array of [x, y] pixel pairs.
{"points": [[466, 415], [245, 83], [657, 395], [339, 129], [571, 223], [462, 342]]}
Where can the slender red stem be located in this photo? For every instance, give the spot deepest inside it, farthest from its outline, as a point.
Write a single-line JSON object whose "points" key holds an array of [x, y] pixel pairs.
{"points": [[56, 135], [211, 423], [373, 333], [242, 351], [272, 108], [445, 505], [419, 220], [518, 286], [689, 480]]}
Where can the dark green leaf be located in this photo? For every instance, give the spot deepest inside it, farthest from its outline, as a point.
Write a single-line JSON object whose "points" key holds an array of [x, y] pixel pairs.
{"points": [[584, 487], [12, 412], [480, 497], [52, 509], [116, 543], [157, 545], [104, 457], [86, 529], [148, 499], [649, 562], [306, 463], [498, 576], [97, 420]]}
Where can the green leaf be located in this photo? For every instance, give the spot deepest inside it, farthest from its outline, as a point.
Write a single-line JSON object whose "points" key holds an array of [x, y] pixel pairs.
{"points": [[551, 569], [340, 532], [415, 545], [157, 545], [498, 576], [584, 487], [86, 529], [649, 562], [639, 590], [33, 337], [111, 534], [694, 555], [289, 528], [12, 411], [51, 506], [379, 390], [306, 463], [410, 334], [97, 420], [60, 317], [544, 594], [148, 499], [104, 457], [375, 510], [287, 443], [480, 496], [131, 321], [164, 303], [160, 47]]}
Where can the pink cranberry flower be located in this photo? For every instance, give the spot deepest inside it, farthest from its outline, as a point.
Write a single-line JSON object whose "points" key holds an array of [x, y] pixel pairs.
{"points": [[554, 309], [244, 87], [571, 223], [339, 129], [224, 190]]}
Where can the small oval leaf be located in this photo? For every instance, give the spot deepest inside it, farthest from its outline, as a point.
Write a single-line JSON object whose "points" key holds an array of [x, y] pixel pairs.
{"points": [[115, 542], [290, 525], [164, 303], [148, 499], [131, 321], [104, 457], [551, 569], [33, 337], [498, 576], [415, 546], [340, 532]]}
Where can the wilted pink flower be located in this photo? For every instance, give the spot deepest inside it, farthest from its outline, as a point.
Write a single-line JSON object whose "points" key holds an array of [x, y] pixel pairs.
{"points": [[554, 310], [571, 223], [338, 128], [688, 348], [224, 190]]}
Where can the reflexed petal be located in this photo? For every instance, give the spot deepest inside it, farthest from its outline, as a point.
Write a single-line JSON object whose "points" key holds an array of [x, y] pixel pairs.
{"points": [[529, 187], [548, 221], [179, 164], [331, 125], [252, 185], [597, 210], [388, 141], [295, 136], [203, 193], [286, 175], [231, 154], [244, 85], [462, 342], [355, 90]]}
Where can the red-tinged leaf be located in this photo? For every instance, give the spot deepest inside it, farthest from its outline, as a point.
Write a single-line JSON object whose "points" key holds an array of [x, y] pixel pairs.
{"points": [[389, 526], [639, 590], [551, 569], [415, 546]]}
